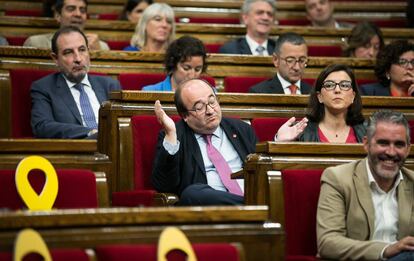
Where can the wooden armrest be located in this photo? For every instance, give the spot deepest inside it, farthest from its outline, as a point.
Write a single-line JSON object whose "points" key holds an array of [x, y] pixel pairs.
{"points": [[238, 175], [165, 199]]}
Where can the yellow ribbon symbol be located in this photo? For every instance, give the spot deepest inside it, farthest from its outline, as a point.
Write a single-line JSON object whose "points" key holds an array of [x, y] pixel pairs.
{"points": [[30, 241], [47, 197]]}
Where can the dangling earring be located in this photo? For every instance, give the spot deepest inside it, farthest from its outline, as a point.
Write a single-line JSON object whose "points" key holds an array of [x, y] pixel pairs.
{"points": [[388, 76]]}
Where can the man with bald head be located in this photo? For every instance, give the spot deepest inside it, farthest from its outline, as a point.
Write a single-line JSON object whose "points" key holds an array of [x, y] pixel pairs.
{"points": [[196, 156]]}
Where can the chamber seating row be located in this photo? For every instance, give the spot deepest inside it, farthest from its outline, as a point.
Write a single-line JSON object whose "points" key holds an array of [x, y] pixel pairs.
{"points": [[289, 13], [324, 41]]}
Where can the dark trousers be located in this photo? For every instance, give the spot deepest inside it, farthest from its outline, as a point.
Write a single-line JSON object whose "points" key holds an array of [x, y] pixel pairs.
{"points": [[403, 256], [204, 195]]}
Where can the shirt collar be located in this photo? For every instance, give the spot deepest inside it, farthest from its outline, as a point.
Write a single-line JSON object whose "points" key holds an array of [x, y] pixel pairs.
{"points": [[286, 84], [253, 44], [373, 183], [218, 133], [85, 81]]}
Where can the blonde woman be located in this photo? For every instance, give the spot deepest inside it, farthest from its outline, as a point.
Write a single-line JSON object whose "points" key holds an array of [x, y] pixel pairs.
{"points": [[155, 30]]}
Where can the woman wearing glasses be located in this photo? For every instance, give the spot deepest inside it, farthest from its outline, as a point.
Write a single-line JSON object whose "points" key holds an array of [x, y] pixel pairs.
{"points": [[394, 70], [334, 112]]}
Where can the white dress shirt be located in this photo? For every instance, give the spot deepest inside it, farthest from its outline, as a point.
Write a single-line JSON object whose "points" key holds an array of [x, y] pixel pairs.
{"points": [[253, 46]]}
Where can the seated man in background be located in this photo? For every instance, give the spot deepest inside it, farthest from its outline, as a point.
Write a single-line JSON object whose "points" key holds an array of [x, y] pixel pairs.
{"points": [[290, 58], [320, 14], [68, 13], [365, 209], [196, 156], [66, 104], [259, 18]]}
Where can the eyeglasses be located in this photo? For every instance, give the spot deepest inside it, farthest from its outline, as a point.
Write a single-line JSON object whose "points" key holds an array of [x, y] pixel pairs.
{"points": [[201, 107], [291, 61], [404, 63], [331, 85]]}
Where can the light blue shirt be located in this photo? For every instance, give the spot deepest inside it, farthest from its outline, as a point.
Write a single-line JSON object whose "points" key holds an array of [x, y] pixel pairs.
{"points": [[161, 86]]}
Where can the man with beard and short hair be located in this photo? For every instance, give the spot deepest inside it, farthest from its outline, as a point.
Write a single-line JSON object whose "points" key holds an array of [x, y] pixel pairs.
{"points": [[290, 58], [66, 104], [68, 13], [259, 18], [365, 209]]}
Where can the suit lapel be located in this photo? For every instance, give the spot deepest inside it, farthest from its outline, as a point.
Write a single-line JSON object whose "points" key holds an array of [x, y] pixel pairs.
{"points": [[193, 147], [277, 86], [405, 194], [99, 90], [244, 47], [67, 98], [234, 138], [363, 192]]}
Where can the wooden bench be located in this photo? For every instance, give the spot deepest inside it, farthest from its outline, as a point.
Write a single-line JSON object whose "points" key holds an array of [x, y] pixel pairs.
{"points": [[114, 121], [63, 154], [89, 228]]}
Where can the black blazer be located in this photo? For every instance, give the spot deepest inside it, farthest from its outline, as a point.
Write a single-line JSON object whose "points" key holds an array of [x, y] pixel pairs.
{"points": [[173, 173], [375, 89], [274, 86], [240, 46]]}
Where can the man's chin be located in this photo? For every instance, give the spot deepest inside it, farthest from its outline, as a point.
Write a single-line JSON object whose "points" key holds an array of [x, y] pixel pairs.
{"points": [[77, 77]]}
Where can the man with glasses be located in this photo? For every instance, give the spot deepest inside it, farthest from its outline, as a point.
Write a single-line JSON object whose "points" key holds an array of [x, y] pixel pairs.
{"points": [[290, 59], [394, 69], [196, 156]]}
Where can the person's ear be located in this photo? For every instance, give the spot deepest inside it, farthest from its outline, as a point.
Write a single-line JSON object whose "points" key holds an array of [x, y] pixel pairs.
{"points": [[54, 57], [276, 60]]}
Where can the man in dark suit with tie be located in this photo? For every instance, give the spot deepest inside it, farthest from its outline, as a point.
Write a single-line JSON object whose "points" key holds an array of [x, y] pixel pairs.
{"points": [[66, 104], [259, 18], [196, 156], [290, 58]]}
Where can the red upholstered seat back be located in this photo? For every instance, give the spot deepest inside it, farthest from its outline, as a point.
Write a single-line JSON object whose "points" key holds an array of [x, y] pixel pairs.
{"points": [[117, 45], [325, 50], [240, 83], [204, 252], [23, 12], [21, 103], [266, 128], [16, 40], [301, 192], [212, 48], [77, 188], [135, 81], [66, 254], [145, 130]]}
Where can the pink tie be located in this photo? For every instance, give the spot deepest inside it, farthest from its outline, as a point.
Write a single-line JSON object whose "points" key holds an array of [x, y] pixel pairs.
{"points": [[222, 167]]}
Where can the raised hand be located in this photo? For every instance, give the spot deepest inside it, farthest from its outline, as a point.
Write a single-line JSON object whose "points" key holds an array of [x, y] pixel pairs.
{"points": [[291, 129], [93, 41], [167, 123]]}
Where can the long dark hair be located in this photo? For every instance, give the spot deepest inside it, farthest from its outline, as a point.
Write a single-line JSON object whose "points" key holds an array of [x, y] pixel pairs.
{"points": [[316, 110]]}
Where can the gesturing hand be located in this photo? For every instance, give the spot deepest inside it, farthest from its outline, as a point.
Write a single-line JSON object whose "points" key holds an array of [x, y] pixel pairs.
{"points": [[291, 129], [167, 123]]}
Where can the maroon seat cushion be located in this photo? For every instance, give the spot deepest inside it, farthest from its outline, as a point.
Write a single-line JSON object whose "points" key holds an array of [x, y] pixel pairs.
{"points": [[21, 103], [24, 12], [266, 128], [240, 83], [212, 48], [77, 189], [145, 130], [301, 192], [117, 45], [325, 50], [68, 254], [203, 251], [16, 40]]}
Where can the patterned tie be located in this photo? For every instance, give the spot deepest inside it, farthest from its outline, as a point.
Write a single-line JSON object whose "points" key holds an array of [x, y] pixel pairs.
{"points": [[87, 111], [260, 50], [293, 89], [222, 167]]}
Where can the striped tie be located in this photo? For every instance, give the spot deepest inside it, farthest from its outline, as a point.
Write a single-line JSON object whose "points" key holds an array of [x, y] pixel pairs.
{"points": [[87, 111]]}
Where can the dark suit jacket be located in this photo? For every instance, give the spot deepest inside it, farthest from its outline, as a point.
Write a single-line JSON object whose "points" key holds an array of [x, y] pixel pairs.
{"points": [[173, 173], [240, 46], [274, 86], [375, 89], [54, 111]]}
